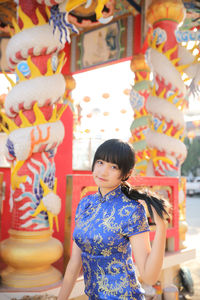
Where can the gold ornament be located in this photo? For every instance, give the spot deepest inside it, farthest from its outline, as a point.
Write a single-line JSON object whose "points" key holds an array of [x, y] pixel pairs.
{"points": [[138, 63], [166, 10], [29, 256], [70, 82]]}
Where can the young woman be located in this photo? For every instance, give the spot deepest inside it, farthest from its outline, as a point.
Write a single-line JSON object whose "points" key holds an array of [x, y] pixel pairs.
{"points": [[109, 226]]}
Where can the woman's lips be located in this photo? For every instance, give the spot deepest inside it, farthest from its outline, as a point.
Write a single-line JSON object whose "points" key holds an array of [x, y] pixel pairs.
{"points": [[102, 179]]}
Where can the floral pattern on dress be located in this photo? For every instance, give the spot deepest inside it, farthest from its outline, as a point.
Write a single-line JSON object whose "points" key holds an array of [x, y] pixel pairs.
{"points": [[103, 226]]}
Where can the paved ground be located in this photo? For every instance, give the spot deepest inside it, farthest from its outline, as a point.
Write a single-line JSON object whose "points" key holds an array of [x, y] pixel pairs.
{"points": [[193, 239]]}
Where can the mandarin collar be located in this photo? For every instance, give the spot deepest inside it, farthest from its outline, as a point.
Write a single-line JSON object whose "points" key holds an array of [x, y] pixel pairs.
{"points": [[109, 195]]}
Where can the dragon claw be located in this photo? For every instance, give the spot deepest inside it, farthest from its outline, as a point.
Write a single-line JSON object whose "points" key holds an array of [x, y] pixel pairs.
{"points": [[50, 203]]}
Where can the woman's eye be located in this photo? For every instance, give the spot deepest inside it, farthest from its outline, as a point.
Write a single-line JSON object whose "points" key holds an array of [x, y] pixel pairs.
{"points": [[99, 162], [115, 167]]}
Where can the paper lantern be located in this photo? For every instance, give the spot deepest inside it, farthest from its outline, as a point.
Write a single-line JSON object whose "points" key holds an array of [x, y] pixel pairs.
{"points": [[86, 99], [127, 92], [106, 95], [89, 115]]}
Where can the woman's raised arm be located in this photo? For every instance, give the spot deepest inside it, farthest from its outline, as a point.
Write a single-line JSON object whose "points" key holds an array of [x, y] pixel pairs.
{"points": [[149, 260], [71, 274]]}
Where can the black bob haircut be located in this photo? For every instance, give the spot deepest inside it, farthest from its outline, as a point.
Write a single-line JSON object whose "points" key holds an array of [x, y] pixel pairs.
{"points": [[117, 152], [122, 154]]}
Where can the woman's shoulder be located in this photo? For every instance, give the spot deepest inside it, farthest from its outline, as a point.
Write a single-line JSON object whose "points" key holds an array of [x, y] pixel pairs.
{"points": [[131, 204], [85, 203], [127, 200], [87, 199]]}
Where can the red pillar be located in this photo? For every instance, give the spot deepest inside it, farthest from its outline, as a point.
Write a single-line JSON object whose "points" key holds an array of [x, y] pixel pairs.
{"points": [[63, 158]]}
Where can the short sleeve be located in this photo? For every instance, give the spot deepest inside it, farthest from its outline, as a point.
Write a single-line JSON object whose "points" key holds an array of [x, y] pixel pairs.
{"points": [[81, 207], [137, 222], [79, 210]]}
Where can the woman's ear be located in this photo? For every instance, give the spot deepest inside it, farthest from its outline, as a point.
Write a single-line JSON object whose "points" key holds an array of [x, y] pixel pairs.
{"points": [[127, 176], [130, 173]]}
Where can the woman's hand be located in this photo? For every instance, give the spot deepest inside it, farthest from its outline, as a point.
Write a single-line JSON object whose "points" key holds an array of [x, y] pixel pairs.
{"points": [[158, 220]]}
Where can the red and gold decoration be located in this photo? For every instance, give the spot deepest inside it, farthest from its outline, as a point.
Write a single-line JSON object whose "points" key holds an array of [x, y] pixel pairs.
{"points": [[167, 99], [83, 15], [67, 97], [183, 226], [138, 97], [32, 116]]}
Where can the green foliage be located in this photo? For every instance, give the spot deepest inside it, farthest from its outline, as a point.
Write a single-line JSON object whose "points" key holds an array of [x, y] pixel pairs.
{"points": [[192, 162]]}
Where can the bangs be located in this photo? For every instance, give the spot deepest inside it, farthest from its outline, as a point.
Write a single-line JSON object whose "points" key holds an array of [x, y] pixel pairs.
{"points": [[116, 152], [111, 154]]}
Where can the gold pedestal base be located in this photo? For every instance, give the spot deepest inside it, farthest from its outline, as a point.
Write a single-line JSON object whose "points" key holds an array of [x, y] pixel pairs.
{"points": [[29, 256], [13, 278]]}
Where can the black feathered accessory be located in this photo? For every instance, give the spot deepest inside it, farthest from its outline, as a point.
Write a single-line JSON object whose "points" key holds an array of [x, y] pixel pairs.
{"points": [[160, 205]]}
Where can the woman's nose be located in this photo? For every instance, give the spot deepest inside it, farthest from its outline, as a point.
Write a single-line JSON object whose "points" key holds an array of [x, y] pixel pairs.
{"points": [[104, 170]]}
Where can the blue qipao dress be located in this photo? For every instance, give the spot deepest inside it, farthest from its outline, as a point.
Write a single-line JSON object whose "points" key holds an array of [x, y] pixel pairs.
{"points": [[103, 226]]}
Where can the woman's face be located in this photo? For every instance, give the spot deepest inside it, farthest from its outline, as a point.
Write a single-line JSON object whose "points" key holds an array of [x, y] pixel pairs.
{"points": [[107, 176]]}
